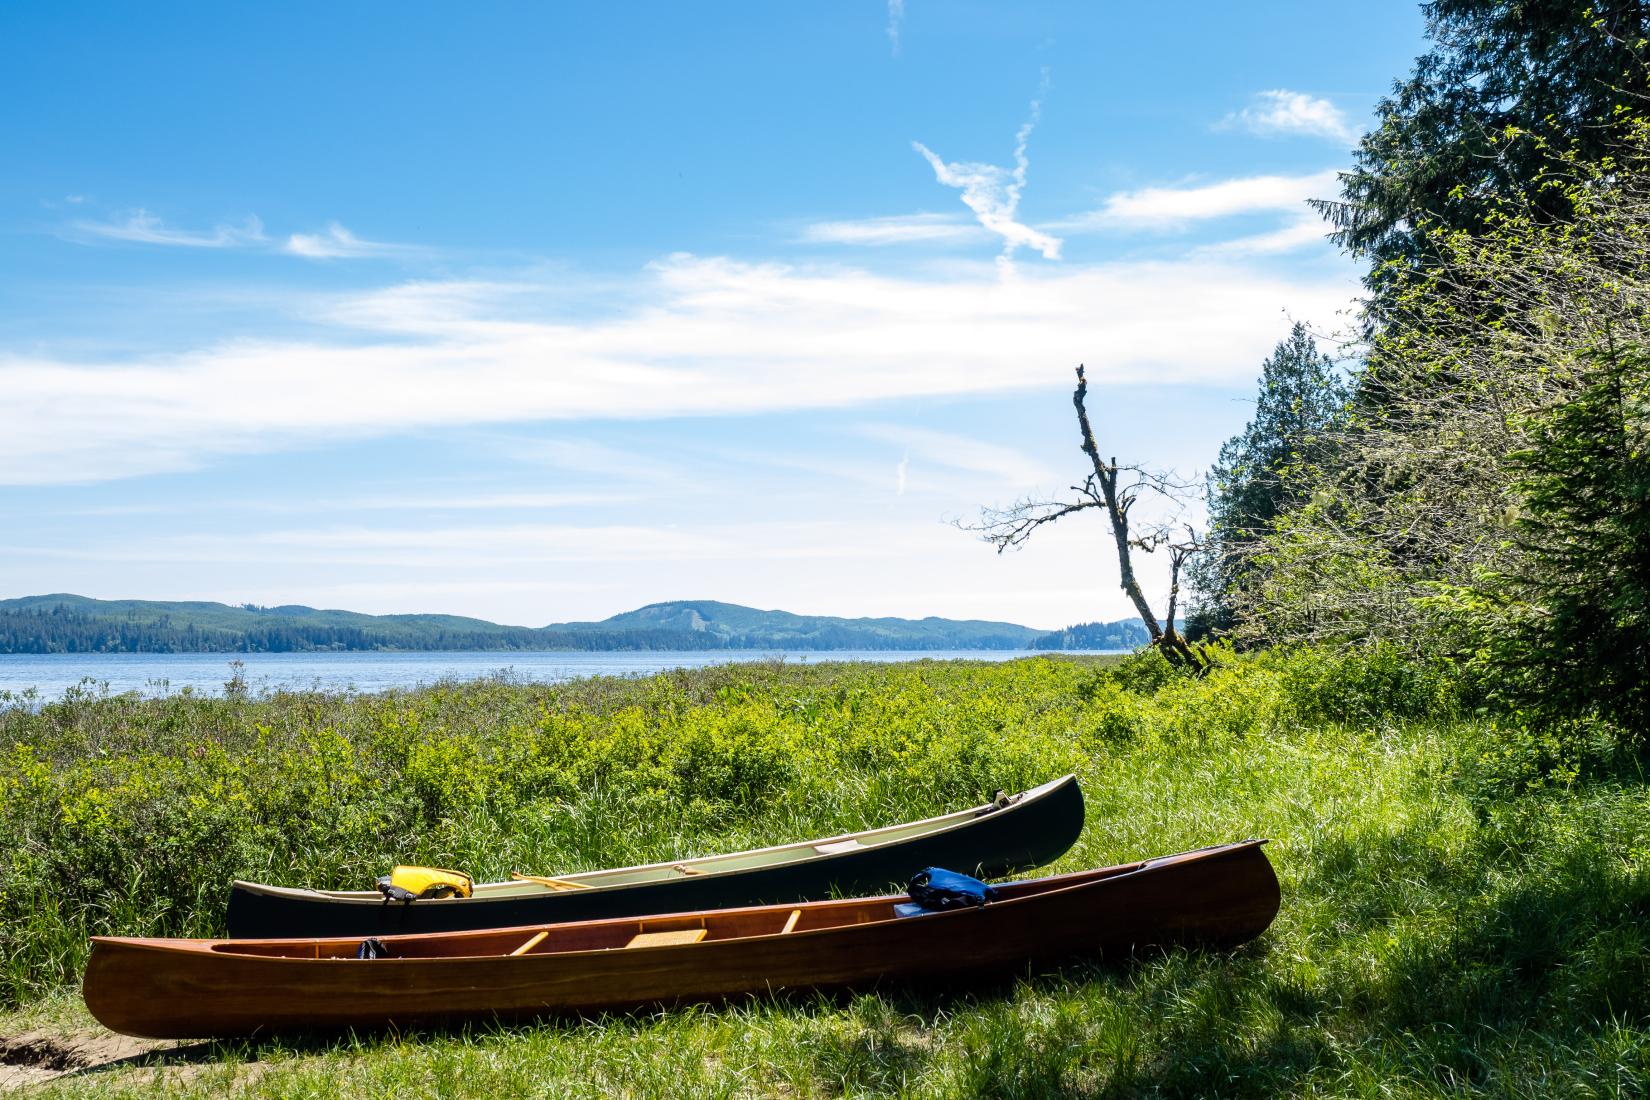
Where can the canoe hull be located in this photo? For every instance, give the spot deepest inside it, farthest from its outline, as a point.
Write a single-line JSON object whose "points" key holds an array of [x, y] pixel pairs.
{"points": [[1025, 835], [189, 989]]}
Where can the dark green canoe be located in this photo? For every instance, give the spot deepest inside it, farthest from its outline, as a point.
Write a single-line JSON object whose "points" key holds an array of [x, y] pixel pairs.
{"points": [[1013, 834]]}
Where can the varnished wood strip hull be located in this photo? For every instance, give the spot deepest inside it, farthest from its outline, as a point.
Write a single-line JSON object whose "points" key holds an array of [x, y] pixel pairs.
{"points": [[193, 988]]}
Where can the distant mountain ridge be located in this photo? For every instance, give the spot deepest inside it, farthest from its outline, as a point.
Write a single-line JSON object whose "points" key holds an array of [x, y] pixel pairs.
{"points": [[64, 623]]}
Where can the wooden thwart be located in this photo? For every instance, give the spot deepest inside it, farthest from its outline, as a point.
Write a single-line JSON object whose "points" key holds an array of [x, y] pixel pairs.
{"points": [[666, 939], [553, 883], [790, 921], [537, 939]]}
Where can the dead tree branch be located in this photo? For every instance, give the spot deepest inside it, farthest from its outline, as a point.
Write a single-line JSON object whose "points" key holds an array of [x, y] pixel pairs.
{"points": [[1105, 488]]}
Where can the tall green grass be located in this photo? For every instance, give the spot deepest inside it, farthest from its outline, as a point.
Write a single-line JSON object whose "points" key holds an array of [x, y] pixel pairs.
{"points": [[1466, 907]]}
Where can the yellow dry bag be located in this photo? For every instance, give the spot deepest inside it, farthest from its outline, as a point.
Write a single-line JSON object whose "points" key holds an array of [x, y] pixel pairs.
{"points": [[413, 883]]}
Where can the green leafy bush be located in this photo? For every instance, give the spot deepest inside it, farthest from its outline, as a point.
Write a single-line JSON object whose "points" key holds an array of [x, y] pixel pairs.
{"points": [[1370, 683]]}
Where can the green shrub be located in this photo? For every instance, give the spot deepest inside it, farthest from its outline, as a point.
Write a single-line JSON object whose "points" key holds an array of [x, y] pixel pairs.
{"points": [[1368, 684]]}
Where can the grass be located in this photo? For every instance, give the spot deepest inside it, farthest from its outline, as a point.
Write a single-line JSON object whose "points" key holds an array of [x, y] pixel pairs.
{"points": [[1466, 906]]}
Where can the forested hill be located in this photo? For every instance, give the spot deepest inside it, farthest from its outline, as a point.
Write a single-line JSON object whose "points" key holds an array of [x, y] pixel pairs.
{"points": [[75, 624], [707, 624], [1123, 634]]}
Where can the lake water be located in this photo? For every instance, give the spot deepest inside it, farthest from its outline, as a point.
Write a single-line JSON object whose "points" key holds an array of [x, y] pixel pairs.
{"points": [[49, 675]]}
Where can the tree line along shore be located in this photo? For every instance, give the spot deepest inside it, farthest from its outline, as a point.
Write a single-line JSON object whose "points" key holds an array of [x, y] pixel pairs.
{"points": [[75, 624]]}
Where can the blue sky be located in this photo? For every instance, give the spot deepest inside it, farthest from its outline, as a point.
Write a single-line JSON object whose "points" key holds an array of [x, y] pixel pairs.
{"points": [[542, 312]]}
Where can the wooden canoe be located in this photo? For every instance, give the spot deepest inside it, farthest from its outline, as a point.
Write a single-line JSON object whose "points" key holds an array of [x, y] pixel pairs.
{"points": [[169, 989], [1031, 829]]}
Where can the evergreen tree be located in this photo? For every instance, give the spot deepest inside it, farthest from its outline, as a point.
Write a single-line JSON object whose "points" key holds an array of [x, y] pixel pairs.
{"points": [[1566, 633], [1447, 150], [1301, 394]]}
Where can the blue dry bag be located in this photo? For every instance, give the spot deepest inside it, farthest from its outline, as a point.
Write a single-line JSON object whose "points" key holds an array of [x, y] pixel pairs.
{"points": [[934, 889]]}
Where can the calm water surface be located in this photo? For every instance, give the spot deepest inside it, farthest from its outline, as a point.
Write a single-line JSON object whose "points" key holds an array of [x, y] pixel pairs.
{"points": [[51, 674]]}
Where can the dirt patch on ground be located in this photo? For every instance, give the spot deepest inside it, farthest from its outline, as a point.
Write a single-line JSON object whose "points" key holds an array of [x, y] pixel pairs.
{"points": [[38, 1056], [35, 1057]]}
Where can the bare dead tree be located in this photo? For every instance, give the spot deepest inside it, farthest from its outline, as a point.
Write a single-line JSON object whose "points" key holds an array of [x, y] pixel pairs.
{"points": [[1107, 488]]}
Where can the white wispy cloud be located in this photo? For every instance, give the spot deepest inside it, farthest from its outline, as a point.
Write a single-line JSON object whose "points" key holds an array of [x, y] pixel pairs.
{"points": [[993, 192], [893, 229], [465, 547], [901, 472], [457, 502], [597, 461], [1304, 231], [1281, 112], [692, 336], [142, 227], [1157, 208], [338, 243], [896, 16], [425, 546], [990, 460], [482, 502]]}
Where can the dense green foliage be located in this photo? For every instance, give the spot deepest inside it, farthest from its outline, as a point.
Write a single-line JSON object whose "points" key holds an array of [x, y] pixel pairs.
{"points": [[74, 624], [1459, 508], [1566, 629], [1556, 69], [1466, 905], [1249, 487], [1485, 497]]}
